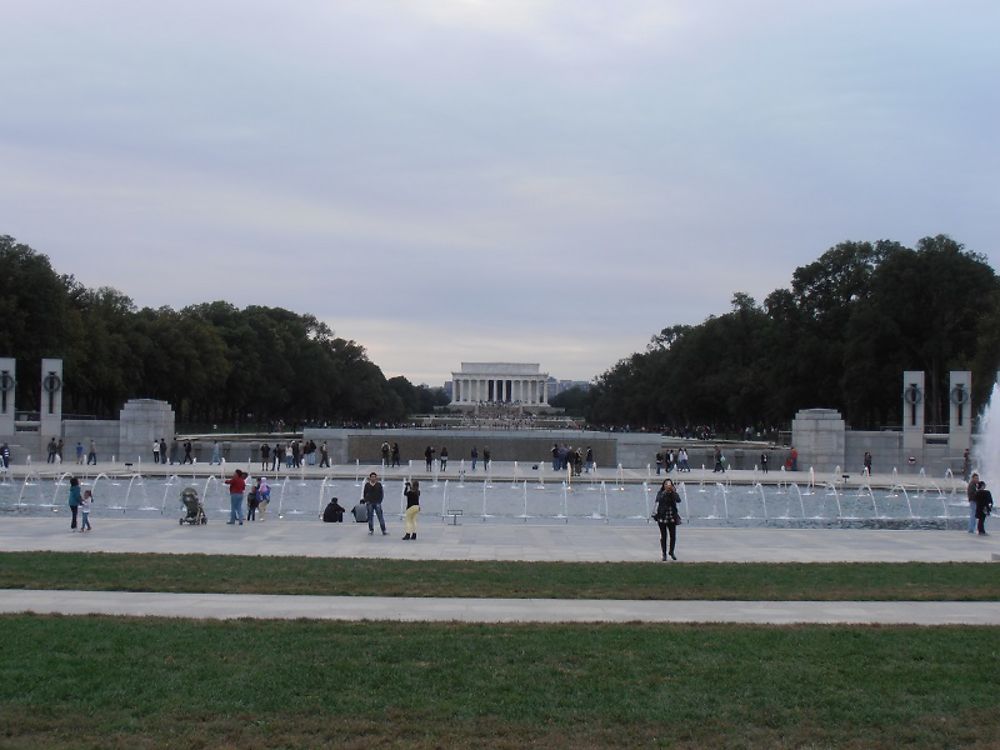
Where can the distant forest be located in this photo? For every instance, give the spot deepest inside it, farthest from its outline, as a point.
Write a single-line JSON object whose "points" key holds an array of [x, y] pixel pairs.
{"points": [[839, 337], [214, 363]]}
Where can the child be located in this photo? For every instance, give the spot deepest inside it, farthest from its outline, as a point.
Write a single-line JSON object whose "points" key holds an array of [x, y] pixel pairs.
{"points": [[252, 502], [263, 496], [88, 500]]}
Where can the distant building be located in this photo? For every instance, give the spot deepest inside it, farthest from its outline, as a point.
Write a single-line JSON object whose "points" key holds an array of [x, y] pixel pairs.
{"points": [[561, 386], [499, 383]]}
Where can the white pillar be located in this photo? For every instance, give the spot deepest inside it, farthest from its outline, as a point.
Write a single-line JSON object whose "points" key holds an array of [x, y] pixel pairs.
{"points": [[50, 409], [959, 411], [545, 392], [8, 384], [913, 413]]}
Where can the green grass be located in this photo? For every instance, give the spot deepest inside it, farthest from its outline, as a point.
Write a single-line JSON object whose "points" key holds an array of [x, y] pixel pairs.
{"points": [[115, 682], [378, 577]]}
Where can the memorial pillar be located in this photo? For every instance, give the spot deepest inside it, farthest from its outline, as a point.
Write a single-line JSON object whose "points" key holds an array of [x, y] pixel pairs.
{"points": [[913, 414], [959, 411], [545, 392], [50, 410], [8, 386]]}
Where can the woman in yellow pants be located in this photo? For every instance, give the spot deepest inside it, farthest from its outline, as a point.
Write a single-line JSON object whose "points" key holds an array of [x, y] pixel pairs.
{"points": [[412, 493]]}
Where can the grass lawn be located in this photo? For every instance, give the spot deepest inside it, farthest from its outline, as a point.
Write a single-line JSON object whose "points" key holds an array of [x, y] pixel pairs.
{"points": [[367, 577], [69, 682]]}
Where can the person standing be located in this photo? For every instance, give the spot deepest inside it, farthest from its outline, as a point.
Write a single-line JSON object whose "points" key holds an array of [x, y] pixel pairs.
{"points": [[237, 486], [395, 455], [265, 456], [867, 462], [163, 451], [475, 457], [486, 458], [276, 454], [75, 498], [763, 463], [385, 453], [79, 453], [970, 492], [88, 500], [412, 493], [429, 457], [984, 506], [174, 451], [443, 458], [92, 454], [156, 451], [324, 456], [216, 453], [252, 502], [966, 464], [372, 495], [589, 461], [263, 496], [667, 517]]}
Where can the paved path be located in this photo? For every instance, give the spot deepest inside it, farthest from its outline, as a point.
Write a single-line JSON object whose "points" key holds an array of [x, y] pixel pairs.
{"points": [[494, 540], [229, 606], [476, 540]]}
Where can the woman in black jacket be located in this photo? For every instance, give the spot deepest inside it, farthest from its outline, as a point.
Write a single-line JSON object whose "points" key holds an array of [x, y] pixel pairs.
{"points": [[984, 506], [667, 517]]}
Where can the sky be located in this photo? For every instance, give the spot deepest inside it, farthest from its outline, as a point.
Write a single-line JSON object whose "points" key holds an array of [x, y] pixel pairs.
{"points": [[458, 180]]}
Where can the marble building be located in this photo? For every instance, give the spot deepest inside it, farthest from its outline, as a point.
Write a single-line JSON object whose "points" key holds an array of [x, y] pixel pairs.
{"points": [[499, 383]]}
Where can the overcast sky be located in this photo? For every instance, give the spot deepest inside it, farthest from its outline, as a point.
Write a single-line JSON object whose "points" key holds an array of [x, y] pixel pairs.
{"points": [[460, 180]]}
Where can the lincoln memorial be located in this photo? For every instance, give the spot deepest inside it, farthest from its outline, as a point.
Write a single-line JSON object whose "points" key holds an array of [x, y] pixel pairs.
{"points": [[499, 383]]}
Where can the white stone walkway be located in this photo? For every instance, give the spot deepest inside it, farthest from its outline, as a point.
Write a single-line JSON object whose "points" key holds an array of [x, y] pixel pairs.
{"points": [[498, 541], [404, 609]]}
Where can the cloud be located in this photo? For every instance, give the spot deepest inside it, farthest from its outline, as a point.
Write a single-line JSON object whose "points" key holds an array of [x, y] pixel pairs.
{"points": [[548, 180]]}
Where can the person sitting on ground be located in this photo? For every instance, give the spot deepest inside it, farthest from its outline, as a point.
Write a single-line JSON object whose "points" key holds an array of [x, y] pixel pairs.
{"points": [[360, 512], [333, 513]]}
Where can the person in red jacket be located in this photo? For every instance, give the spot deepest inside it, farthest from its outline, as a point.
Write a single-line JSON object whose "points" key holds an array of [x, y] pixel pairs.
{"points": [[237, 486]]}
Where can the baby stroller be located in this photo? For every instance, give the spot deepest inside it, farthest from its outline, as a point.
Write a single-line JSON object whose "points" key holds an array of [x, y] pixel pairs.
{"points": [[195, 510]]}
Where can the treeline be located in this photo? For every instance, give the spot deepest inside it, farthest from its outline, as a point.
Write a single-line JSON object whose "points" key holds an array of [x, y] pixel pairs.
{"points": [[213, 362], [839, 337]]}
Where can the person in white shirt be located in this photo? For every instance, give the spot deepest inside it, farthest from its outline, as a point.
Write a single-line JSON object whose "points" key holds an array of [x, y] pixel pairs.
{"points": [[85, 504]]}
